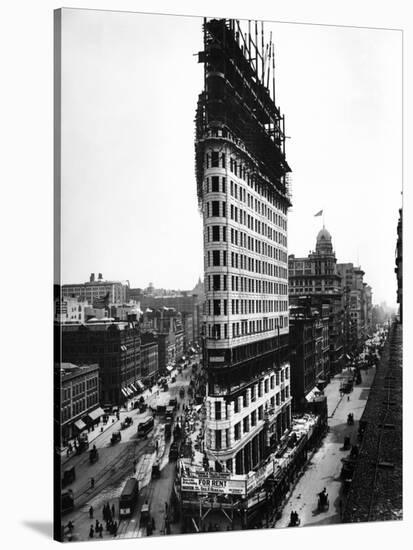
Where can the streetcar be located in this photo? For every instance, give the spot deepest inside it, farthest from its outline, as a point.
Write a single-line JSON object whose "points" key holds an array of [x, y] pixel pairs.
{"points": [[169, 414], [67, 501], [128, 498], [69, 476], [145, 427]]}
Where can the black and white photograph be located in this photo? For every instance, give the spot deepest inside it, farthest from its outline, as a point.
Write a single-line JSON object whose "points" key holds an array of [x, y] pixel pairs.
{"points": [[228, 295]]}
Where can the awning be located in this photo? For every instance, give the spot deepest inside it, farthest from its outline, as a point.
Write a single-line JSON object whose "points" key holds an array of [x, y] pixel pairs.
{"points": [[140, 385], [312, 395], [169, 368], [94, 415], [124, 392], [80, 425], [348, 356], [133, 387]]}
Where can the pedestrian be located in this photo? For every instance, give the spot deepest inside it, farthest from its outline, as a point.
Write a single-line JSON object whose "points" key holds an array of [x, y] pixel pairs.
{"points": [[97, 525], [340, 504], [115, 528], [92, 482], [91, 532], [100, 531], [113, 510], [91, 512], [348, 398]]}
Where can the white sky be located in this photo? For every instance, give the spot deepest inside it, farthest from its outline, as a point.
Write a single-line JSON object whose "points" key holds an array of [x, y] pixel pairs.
{"points": [[130, 84]]}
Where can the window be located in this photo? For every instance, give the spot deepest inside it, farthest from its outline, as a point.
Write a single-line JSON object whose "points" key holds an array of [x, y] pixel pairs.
{"points": [[218, 439], [245, 425], [217, 307], [215, 233], [214, 159], [215, 257], [216, 282], [253, 418], [237, 431], [215, 184], [216, 332], [218, 410], [236, 405], [215, 208], [260, 412]]}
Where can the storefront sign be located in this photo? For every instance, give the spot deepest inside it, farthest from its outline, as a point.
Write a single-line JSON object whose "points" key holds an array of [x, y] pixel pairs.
{"points": [[214, 485], [258, 478]]}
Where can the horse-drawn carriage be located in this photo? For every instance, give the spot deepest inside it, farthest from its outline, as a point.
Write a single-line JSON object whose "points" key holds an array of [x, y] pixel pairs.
{"points": [[69, 476], [126, 423], [116, 436], [93, 455], [323, 502]]}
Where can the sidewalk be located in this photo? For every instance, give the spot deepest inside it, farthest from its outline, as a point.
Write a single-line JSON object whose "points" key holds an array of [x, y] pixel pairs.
{"points": [[92, 436], [324, 466]]}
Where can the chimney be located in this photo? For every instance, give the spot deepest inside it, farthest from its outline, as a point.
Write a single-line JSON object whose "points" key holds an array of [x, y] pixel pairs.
{"points": [[92, 278], [100, 276]]}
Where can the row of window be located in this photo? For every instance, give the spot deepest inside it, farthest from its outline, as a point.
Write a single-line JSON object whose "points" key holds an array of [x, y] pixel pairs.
{"points": [[244, 307], [218, 258], [257, 391], [218, 233], [79, 406], [218, 331], [220, 282], [213, 159], [248, 422], [218, 209], [215, 184]]}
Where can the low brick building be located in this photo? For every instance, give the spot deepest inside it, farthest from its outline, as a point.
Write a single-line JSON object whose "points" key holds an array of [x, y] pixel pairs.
{"points": [[115, 346], [79, 397]]}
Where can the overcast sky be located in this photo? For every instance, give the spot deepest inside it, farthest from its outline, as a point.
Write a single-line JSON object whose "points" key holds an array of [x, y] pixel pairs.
{"points": [[130, 84]]}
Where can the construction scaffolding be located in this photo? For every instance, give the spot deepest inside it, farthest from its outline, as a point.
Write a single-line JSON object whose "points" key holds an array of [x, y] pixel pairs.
{"points": [[238, 102]]}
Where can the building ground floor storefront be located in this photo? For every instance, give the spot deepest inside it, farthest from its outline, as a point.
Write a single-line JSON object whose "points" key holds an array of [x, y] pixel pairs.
{"points": [[264, 494]]}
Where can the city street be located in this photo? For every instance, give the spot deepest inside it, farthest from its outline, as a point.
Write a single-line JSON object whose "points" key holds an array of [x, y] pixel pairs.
{"points": [[323, 470], [116, 465]]}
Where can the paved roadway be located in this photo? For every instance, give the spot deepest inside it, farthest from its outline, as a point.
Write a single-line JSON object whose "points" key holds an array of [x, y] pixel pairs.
{"points": [[115, 467], [324, 467]]}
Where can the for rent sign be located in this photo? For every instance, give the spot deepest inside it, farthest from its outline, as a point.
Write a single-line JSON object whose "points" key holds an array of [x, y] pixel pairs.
{"points": [[215, 485]]}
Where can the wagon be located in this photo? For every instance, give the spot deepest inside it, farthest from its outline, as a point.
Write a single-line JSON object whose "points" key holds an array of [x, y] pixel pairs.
{"points": [[116, 436]]}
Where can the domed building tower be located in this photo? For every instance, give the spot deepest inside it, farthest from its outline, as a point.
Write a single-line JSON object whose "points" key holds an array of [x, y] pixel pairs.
{"points": [[324, 244]]}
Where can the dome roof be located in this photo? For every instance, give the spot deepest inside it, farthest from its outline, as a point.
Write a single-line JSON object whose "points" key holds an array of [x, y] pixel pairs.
{"points": [[324, 235]]}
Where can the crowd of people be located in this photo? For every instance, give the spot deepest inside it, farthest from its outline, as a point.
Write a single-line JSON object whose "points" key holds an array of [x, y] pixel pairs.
{"points": [[108, 515]]}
